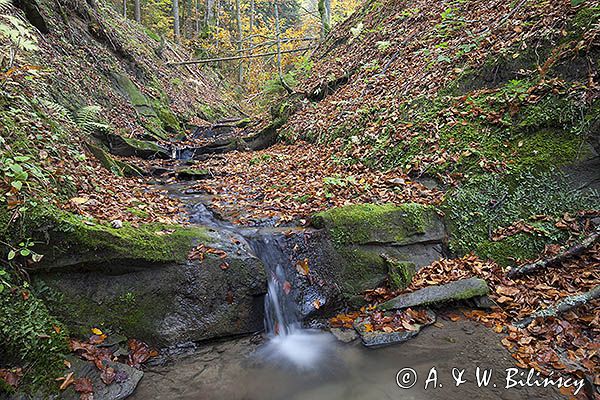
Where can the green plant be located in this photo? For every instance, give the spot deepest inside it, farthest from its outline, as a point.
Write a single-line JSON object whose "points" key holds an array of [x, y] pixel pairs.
{"points": [[18, 35]]}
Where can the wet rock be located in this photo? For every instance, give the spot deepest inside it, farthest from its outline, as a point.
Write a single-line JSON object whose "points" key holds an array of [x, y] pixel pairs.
{"points": [[125, 384], [127, 147], [381, 338], [140, 283], [344, 335], [459, 290], [117, 167], [192, 174]]}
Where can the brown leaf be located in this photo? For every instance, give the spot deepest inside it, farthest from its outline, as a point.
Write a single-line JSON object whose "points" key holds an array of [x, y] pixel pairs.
{"points": [[287, 287], [108, 375], [83, 385], [68, 380]]}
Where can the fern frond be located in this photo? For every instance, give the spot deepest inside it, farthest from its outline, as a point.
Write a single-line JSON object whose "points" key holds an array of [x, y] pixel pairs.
{"points": [[58, 111], [5, 5], [87, 120]]}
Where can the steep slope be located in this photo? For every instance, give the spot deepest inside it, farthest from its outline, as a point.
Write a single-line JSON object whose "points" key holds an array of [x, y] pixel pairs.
{"points": [[81, 88], [457, 87]]}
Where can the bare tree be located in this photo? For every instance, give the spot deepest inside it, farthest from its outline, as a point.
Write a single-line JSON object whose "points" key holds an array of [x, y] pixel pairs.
{"points": [[325, 12], [138, 11], [124, 8], [238, 17], [176, 30], [279, 67]]}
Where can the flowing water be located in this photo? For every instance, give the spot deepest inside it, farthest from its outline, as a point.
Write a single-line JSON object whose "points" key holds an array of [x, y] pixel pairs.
{"points": [[288, 343]]}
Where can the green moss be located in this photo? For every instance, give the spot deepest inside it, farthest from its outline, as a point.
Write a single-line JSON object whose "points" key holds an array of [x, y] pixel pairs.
{"points": [[545, 149], [76, 239], [363, 269], [117, 167], [488, 203], [143, 145], [371, 223], [168, 120], [400, 273]]}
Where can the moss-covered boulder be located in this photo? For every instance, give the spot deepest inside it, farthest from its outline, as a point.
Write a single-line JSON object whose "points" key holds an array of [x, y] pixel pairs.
{"points": [[68, 240], [370, 244], [140, 282], [192, 173], [454, 291], [365, 224], [117, 167], [127, 147]]}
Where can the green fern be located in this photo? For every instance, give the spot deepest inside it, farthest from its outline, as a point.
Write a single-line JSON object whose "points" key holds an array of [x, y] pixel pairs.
{"points": [[87, 118], [58, 111], [5, 5]]}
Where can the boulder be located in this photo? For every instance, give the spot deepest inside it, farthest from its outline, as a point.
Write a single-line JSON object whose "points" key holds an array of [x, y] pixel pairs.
{"points": [[139, 281], [369, 244], [459, 290], [127, 147], [192, 174], [344, 335]]}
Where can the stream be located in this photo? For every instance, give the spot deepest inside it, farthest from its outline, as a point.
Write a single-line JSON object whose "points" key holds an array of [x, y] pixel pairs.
{"points": [[289, 361]]}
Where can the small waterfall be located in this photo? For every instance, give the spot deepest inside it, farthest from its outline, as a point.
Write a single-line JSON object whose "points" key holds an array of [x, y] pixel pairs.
{"points": [[288, 341], [281, 316]]}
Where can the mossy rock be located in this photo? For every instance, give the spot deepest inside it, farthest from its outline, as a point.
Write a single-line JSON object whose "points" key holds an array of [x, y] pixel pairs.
{"points": [[164, 304], [387, 223], [462, 289], [74, 240], [360, 269], [117, 167], [127, 147], [400, 273], [192, 173], [167, 118]]}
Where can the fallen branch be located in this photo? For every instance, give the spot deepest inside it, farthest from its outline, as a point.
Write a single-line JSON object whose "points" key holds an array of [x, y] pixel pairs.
{"points": [[557, 259], [208, 60], [566, 304]]}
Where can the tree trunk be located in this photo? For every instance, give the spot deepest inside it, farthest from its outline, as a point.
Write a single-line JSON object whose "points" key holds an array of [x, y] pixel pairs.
{"points": [[251, 16], [238, 17], [209, 15], [124, 8], [279, 67], [176, 31], [197, 19], [138, 11], [325, 12]]}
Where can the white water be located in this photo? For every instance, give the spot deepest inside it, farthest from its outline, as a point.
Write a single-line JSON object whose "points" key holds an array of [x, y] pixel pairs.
{"points": [[289, 344]]}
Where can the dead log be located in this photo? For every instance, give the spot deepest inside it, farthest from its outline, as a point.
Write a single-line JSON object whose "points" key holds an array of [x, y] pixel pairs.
{"points": [[566, 304], [209, 60], [557, 259]]}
